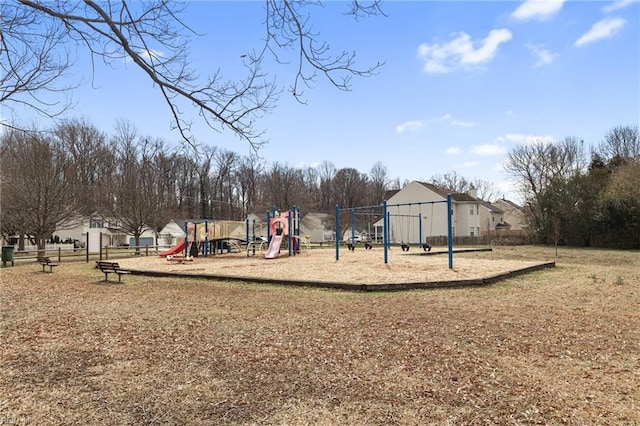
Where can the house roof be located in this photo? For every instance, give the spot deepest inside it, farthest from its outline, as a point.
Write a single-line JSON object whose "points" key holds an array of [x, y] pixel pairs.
{"points": [[456, 196], [438, 190], [509, 203], [461, 197], [390, 193], [491, 207]]}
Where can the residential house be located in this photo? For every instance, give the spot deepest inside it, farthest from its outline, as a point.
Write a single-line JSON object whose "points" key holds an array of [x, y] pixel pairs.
{"points": [[101, 231], [491, 218], [422, 207], [318, 226], [513, 214]]}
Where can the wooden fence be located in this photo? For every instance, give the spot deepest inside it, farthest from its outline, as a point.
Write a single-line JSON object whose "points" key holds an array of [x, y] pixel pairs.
{"points": [[82, 254]]}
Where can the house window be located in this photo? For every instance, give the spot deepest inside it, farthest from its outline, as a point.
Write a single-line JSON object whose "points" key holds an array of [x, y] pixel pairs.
{"points": [[471, 229], [477, 209], [493, 218], [478, 231], [471, 210], [95, 223]]}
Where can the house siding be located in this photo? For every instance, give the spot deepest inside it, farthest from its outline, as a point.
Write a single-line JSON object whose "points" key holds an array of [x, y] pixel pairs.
{"points": [[433, 216]]}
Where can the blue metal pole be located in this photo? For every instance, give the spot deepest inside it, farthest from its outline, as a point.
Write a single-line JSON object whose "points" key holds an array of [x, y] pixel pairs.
{"points": [[420, 229], [353, 226], [268, 227], [296, 230], [337, 232], [186, 238], [450, 231], [206, 238], [289, 237], [385, 231]]}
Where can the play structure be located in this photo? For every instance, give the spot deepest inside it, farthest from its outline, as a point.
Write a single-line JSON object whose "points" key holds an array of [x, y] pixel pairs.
{"points": [[283, 227], [396, 218], [208, 238], [220, 237]]}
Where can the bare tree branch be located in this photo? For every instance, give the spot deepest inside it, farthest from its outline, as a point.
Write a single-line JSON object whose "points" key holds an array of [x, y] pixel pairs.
{"points": [[36, 37]]}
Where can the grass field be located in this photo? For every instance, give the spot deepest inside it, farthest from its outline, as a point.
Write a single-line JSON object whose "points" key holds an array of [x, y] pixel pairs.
{"points": [[559, 346]]}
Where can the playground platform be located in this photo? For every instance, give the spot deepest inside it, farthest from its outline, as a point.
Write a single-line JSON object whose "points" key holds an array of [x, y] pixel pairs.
{"points": [[359, 270]]}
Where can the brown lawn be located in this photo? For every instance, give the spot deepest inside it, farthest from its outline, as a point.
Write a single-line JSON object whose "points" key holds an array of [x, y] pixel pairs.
{"points": [[556, 346]]}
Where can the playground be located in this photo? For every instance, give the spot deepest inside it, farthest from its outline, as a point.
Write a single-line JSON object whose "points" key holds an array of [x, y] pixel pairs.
{"points": [[355, 269], [217, 250]]}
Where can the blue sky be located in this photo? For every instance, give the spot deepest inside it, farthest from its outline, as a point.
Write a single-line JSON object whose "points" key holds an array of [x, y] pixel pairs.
{"points": [[462, 84]]}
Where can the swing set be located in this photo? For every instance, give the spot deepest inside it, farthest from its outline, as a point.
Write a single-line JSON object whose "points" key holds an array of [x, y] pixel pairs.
{"points": [[405, 244], [386, 216]]}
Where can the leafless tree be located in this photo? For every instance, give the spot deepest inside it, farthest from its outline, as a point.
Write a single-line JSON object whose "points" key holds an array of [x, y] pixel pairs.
{"points": [[451, 181], [534, 166], [38, 39], [621, 142], [310, 180], [249, 175], [327, 172], [135, 195], [379, 179], [289, 26], [283, 186], [90, 162], [38, 195], [543, 170], [31, 64], [350, 187], [224, 184]]}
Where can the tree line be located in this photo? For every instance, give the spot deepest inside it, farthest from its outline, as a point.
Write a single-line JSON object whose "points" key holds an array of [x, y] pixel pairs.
{"points": [[581, 198], [52, 179]]}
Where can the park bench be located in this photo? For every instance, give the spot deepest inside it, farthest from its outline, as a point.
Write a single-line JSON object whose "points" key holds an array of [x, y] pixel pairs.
{"points": [[46, 261], [111, 268]]}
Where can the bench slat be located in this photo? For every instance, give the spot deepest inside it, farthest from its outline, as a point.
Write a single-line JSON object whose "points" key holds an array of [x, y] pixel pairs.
{"points": [[111, 267], [46, 261]]}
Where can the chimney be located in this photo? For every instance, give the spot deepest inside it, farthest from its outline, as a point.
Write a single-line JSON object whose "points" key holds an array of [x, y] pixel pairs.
{"points": [[473, 192]]}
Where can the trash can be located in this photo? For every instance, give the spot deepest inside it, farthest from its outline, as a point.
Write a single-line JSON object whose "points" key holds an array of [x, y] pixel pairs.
{"points": [[7, 255]]}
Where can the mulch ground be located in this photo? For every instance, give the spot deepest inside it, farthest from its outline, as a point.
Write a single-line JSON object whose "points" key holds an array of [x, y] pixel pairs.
{"points": [[559, 346]]}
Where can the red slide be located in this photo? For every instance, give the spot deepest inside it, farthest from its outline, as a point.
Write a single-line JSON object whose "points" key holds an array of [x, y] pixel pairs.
{"points": [[173, 250]]}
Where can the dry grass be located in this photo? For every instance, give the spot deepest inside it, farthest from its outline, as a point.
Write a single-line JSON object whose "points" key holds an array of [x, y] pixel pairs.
{"points": [[557, 346]]}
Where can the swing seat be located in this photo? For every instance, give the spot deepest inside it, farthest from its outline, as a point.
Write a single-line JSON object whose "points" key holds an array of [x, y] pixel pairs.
{"points": [[367, 245], [351, 246], [426, 247], [405, 247]]}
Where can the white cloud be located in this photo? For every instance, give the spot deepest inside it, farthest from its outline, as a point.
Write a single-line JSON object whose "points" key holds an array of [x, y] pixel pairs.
{"points": [[544, 56], [461, 51], [618, 5], [606, 28], [510, 113], [449, 119], [467, 165], [150, 54], [524, 139], [453, 150], [463, 123], [488, 149], [409, 126], [536, 9]]}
